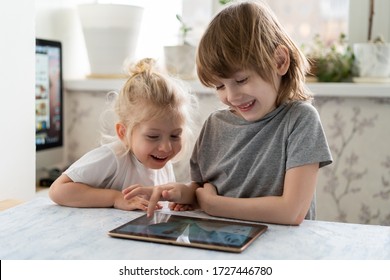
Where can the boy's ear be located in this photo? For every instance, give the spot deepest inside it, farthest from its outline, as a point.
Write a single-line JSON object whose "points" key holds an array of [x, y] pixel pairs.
{"points": [[120, 131], [282, 58]]}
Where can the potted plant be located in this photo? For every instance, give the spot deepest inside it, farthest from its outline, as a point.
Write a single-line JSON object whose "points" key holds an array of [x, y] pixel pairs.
{"points": [[111, 35], [332, 63], [372, 58], [180, 59]]}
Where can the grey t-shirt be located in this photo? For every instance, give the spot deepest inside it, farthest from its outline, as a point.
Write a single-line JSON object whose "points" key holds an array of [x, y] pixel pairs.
{"points": [[249, 159]]}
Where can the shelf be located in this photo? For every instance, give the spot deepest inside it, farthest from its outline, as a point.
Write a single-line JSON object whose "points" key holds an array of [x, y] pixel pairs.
{"points": [[379, 90], [374, 90], [95, 85]]}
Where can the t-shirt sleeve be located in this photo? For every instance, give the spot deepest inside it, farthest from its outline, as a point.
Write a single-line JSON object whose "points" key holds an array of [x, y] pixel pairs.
{"points": [[196, 174], [307, 142], [94, 168]]}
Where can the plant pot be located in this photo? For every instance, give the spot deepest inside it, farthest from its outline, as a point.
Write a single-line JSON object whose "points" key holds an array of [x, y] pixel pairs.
{"points": [[111, 36], [180, 61], [372, 60]]}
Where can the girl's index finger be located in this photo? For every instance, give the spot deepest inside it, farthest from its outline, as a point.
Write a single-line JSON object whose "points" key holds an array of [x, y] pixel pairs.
{"points": [[153, 201]]}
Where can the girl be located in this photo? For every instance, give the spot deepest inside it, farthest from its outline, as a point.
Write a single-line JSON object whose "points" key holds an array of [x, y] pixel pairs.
{"points": [[259, 159], [154, 121]]}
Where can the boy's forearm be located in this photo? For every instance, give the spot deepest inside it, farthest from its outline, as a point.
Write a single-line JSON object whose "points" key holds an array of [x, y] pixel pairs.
{"points": [[259, 209]]}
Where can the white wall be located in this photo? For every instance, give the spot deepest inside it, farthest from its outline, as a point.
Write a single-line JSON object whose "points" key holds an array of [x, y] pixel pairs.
{"points": [[17, 79]]}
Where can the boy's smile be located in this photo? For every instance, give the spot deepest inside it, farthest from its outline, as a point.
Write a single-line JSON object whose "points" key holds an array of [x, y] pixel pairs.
{"points": [[247, 94], [247, 106]]}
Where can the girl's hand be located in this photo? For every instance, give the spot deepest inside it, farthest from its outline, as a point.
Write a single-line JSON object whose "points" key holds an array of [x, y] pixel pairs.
{"points": [[170, 192], [180, 207], [135, 203], [135, 190]]}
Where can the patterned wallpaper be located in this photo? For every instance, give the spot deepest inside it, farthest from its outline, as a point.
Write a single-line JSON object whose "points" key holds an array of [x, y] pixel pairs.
{"points": [[356, 187]]}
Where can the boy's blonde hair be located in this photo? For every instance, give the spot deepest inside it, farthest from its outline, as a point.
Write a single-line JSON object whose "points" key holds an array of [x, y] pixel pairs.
{"points": [[149, 94], [245, 36]]}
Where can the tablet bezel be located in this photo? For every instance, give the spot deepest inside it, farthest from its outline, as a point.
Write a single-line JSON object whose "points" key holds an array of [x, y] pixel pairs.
{"points": [[255, 232]]}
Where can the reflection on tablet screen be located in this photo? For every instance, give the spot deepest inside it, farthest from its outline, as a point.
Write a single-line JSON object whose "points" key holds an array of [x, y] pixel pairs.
{"points": [[191, 231]]}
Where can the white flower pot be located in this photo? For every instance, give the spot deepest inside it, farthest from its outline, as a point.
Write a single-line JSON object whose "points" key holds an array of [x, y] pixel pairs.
{"points": [[372, 59], [180, 61], [111, 36]]}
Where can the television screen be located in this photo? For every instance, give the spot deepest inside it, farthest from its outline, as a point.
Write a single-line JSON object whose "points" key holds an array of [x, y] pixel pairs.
{"points": [[48, 94]]}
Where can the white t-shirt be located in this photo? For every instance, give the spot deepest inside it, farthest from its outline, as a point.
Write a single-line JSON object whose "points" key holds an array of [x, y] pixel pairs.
{"points": [[108, 167]]}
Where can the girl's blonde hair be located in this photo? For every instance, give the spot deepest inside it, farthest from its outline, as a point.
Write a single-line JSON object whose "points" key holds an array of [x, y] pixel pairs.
{"points": [[149, 94], [245, 36]]}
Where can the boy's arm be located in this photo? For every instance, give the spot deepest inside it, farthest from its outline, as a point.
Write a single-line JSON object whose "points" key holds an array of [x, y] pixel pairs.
{"points": [[289, 208]]}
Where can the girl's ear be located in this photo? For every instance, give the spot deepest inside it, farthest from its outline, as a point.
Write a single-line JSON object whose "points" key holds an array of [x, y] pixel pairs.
{"points": [[120, 131], [282, 58]]}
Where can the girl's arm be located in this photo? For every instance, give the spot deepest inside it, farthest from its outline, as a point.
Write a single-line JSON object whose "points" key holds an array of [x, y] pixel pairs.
{"points": [[289, 208], [68, 193]]}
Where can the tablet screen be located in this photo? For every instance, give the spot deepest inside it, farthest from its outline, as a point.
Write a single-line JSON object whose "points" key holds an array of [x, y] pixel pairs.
{"points": [[206, 233]]}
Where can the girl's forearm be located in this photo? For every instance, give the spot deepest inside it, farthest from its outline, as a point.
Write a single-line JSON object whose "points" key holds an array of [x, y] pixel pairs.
{"points": [[80, 195]]}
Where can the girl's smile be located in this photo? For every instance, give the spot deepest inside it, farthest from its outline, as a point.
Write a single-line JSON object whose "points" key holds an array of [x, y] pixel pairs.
{"points": [[155, 142]]}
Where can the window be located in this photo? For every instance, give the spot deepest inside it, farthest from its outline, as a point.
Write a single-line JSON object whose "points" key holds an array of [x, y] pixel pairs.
{"points": [[159, 27], [303, 19]]}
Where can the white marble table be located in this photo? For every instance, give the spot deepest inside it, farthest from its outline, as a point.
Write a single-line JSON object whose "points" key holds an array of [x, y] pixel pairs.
{"points": [[40, 229]]}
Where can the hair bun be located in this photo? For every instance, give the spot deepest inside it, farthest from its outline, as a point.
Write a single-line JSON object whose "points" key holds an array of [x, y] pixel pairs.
{"points": [[144, 65]]}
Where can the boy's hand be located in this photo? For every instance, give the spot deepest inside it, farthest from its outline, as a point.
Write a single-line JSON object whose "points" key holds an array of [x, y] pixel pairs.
{"points": [[206, 196]]}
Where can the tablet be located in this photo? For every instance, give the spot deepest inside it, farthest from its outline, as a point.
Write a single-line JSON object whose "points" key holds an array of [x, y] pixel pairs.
{"points": [[223, 235]]}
